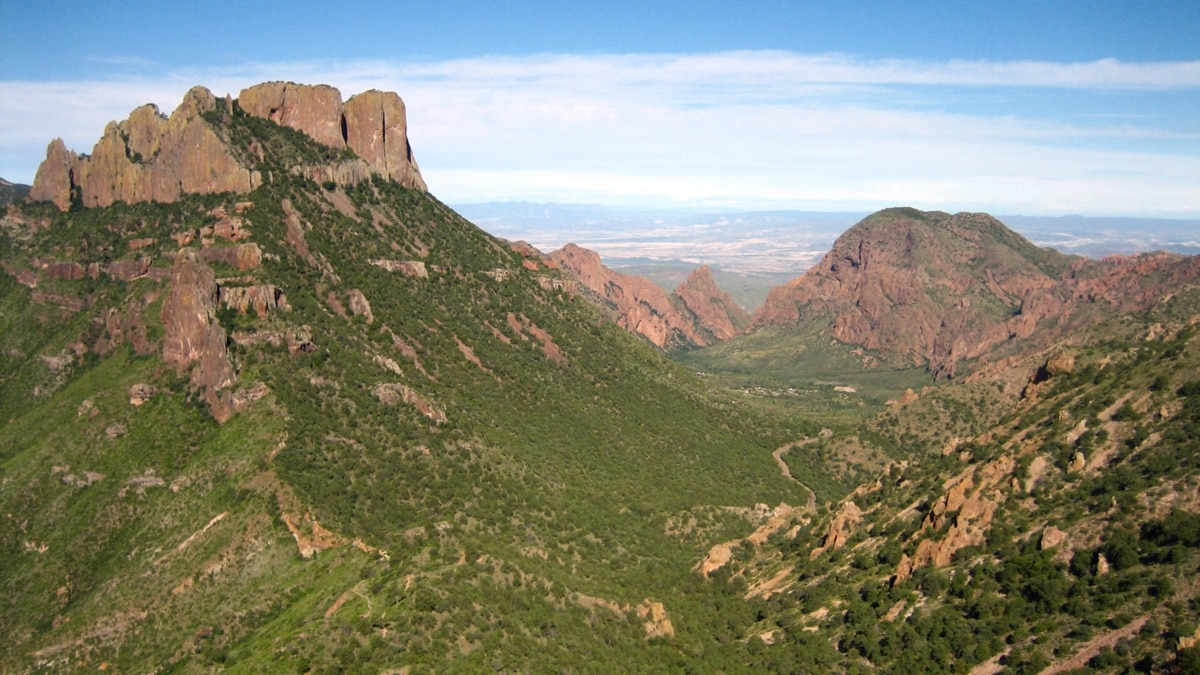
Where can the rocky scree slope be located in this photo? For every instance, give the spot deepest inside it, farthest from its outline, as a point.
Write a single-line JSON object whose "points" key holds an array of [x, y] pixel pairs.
{"points": [[941, 290], [317, 420]]}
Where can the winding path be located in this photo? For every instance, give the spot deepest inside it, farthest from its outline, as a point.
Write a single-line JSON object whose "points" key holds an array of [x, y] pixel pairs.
{"points": [[787, 472]]}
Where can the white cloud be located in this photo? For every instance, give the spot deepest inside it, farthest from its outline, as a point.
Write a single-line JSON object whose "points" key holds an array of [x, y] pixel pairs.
{"points": [[741, 129]]}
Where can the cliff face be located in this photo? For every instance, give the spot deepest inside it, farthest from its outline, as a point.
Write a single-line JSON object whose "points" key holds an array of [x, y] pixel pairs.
{"points": [[314, 109], [373, 124], [715, 310], [377, 130], [937, 289], [149, 157], [146, 158], [640, 306], [697, 314]]}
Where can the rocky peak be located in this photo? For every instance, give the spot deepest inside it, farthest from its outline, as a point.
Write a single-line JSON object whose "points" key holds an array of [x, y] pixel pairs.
{"points": [[150, 157], [715, 310], [373, 124], [697, 314], [376, 127], [314, 109], [53, 180], [640, 306], [146, 158], [937, 289]]}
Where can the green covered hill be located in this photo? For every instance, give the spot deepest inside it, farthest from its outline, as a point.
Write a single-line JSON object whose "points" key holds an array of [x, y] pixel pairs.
{"points": [[431, 452], [300, 416]]}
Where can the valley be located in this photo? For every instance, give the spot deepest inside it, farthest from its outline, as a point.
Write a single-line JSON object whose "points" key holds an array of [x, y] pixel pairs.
{"points": [[270, 405]]}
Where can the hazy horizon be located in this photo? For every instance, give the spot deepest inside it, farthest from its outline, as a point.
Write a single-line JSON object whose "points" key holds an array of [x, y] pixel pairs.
{"points": [[773, 242], [1042, 109]]}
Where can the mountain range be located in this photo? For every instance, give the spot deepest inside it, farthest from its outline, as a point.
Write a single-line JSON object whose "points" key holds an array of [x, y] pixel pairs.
{"points": [[269, 405]]}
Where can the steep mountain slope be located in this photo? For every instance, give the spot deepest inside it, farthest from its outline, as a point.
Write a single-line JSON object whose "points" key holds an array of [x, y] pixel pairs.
{"points": [[715, 310], [323, 422], [319, 422], [12, 192], [1043, 516], [939, 290], [696, 315]]}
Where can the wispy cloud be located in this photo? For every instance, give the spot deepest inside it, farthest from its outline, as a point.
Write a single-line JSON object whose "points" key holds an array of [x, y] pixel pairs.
{"points": [[121, 60], [739, 129]]}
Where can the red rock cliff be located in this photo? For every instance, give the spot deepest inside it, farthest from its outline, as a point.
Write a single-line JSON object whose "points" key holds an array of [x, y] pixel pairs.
{"points": [[373, 124], [715, 311], [149, 157], [641, 307], [698, 314], [937, 289]]}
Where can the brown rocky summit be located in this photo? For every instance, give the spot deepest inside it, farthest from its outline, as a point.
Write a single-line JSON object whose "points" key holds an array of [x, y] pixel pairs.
{"points": [[149, 157], [937, 289]]}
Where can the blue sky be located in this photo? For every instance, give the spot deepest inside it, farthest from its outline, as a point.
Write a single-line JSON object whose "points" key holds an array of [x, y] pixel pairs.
{"points": [[1042, 108]]}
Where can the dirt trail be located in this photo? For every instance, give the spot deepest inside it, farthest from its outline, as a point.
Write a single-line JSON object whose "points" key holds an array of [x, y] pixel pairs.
{"points": [[787, 472], [1091, 649]]}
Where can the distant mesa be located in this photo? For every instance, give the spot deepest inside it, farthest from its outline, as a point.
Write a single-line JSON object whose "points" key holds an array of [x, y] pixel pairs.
{"points": [[150, 157]]}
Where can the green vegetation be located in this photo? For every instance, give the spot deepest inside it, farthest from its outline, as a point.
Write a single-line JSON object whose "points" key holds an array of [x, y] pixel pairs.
{"points": [[487, 474], [1124, 571], [523, 532]]}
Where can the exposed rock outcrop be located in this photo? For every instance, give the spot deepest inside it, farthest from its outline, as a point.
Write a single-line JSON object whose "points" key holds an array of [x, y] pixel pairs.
{"points": [[314, 109], [359, 306], [640, 306], [53, 181], [841, 528], [188, 311], [150, 157], [965, 512], [1051, 537], [715, 310], [373, 124], [391, 393], [377, 130], [261, 299], [194, 339], [655, 620], [937, 289], [409, 268], [697, 314], [147, 157], [718, 556], [243, 256]]}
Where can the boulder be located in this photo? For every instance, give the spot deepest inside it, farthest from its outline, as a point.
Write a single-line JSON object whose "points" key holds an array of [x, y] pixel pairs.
{"points": [[359, 305], [1051, 537]]}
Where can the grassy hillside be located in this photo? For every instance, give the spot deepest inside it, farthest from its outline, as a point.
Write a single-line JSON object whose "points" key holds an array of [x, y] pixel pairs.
{"points": [[483, 475], [443, 460]]}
